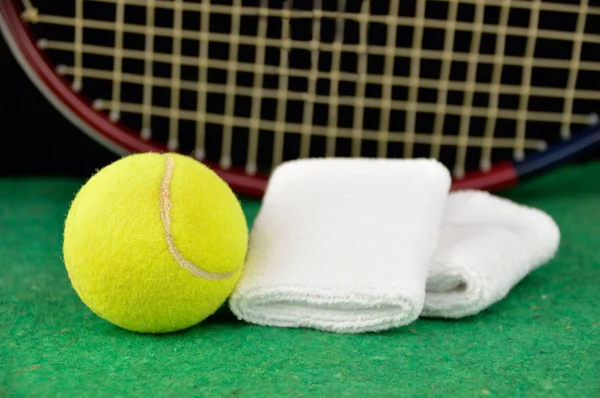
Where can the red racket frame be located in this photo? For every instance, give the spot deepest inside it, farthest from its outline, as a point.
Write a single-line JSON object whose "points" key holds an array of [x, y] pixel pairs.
{"points": [[125, 141]]}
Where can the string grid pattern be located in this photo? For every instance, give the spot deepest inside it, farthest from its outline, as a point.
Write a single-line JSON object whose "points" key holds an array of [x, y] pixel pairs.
{"points": [[254, 83]]}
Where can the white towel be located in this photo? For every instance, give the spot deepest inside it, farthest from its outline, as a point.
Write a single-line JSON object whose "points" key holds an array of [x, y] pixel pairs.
{"points": [[486, 246], [343, 245]]}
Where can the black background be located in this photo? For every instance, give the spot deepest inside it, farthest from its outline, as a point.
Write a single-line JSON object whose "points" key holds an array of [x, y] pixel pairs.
{"points": [[34, 138]]}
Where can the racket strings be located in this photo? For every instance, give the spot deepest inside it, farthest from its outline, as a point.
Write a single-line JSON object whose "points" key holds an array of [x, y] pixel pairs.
{"points": [[463, 81], [528, 63]]}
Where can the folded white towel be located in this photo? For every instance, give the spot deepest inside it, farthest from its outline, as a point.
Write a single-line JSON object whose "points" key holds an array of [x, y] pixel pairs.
{"points": [[486, 246], [343, 245]]}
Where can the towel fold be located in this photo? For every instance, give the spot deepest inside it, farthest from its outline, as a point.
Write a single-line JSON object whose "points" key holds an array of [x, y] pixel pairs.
{"points": [[363, 245], [486, 245], [343, 245]]}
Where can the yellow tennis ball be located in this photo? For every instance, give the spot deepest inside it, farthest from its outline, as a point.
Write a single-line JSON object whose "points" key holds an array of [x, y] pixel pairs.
{"points": [[155, 243]]}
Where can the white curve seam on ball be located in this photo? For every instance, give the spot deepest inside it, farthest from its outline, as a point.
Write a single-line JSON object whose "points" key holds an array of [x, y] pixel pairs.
{"points": [[165, 214]]}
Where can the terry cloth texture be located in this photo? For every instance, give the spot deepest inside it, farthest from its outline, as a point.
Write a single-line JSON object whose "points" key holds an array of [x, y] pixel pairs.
{"points": [[343, 245]]}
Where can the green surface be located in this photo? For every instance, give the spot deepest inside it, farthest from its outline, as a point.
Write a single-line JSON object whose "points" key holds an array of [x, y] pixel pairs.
{"points": [[543, 340]]}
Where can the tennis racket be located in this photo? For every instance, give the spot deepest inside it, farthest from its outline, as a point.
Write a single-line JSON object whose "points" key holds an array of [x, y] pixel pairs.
{"points": [[497, 90]]}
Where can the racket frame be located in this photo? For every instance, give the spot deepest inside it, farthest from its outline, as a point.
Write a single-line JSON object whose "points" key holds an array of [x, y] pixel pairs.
{"points": [[123, 141]]}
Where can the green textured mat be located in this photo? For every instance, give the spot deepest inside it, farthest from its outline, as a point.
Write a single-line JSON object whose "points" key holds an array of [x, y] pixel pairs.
{"points": [[543, 340]]}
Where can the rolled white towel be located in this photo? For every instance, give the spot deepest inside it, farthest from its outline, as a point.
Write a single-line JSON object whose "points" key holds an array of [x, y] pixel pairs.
{"points": [[487, 245], [343, 245]]}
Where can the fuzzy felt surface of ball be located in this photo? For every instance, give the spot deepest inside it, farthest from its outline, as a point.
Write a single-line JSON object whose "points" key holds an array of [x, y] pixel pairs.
{"points": [[155, 243]]}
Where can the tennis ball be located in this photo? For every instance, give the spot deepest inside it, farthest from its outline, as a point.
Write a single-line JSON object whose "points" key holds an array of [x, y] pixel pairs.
{"points": [[155, 243]]}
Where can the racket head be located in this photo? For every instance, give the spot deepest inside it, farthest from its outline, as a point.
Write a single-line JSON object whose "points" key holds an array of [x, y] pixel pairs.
{"points": [[80, 107]]}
